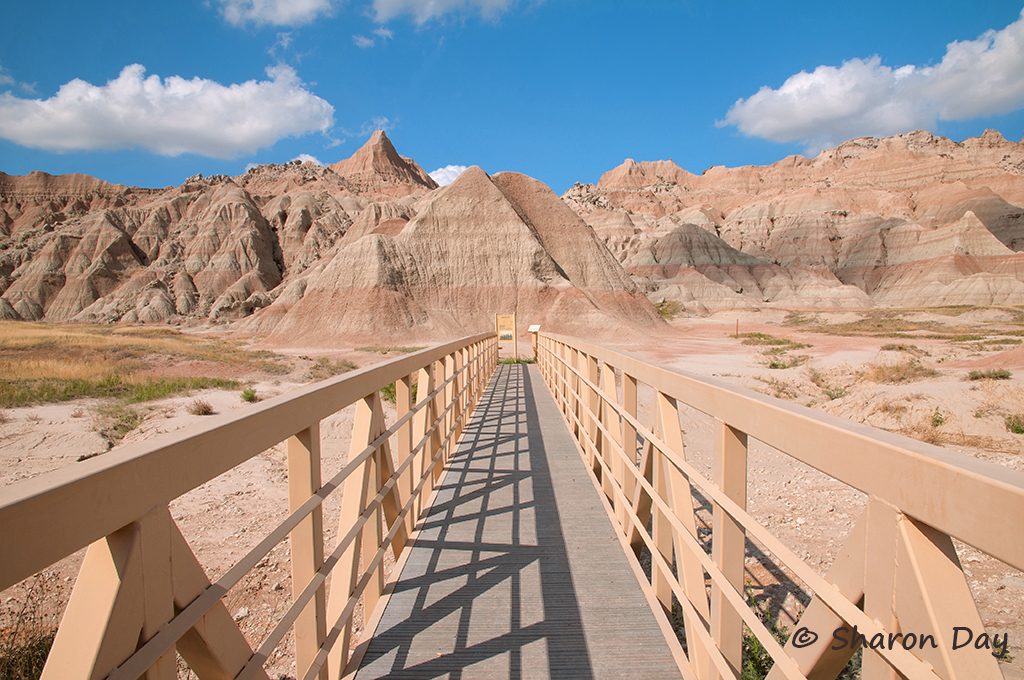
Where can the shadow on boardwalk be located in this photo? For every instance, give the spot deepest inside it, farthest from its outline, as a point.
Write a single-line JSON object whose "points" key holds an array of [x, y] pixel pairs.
{"points": [[516, 572]]}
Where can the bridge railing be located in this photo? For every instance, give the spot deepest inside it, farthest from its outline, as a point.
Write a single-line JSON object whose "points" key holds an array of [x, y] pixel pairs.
{"points": [[141, 594], [898, 577]]}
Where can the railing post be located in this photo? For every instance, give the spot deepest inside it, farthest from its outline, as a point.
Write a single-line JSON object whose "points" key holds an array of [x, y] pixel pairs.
{"points": [[728, 540], [403, 404], [880, 580], [592, 420], [307, 545], [628, 441]]}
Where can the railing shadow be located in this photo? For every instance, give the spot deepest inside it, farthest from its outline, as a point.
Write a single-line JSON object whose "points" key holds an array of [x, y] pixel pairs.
{"points": [[490, 548]]}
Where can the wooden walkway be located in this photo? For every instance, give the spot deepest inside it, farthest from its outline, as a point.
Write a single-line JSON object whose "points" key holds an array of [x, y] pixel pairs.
{"points": [[517, 572]]}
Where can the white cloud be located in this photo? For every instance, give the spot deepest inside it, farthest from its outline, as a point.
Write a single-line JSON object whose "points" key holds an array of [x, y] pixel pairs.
{"points": [[306, 158], [362, 41], [425, 10], [168, 117], [383, 33], [273, 12], [447, 174], [864, 97]]}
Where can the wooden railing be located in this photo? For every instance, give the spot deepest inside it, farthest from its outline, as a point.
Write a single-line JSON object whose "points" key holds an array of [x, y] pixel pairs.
{"points": [[898, 573], [142, 595]]}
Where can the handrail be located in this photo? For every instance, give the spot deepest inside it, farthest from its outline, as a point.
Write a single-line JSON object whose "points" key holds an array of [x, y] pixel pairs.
{"points": [[117, 504], [918, 497]]}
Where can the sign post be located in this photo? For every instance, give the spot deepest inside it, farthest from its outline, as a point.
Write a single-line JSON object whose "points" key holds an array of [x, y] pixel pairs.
{"points": [[505, 327]]}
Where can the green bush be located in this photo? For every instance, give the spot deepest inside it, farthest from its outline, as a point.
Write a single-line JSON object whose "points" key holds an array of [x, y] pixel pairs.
{"points": [[249, 395]]}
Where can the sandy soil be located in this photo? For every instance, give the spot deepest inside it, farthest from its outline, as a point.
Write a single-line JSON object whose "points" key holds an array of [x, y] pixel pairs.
{"points": [[809, 511]]}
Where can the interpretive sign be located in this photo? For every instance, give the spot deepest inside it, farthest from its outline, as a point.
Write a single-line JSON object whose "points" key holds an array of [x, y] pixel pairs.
{"points": [[505, 327]]}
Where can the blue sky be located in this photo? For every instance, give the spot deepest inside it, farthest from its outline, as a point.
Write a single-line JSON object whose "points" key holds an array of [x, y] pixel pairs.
{"points": [[562, 90]]}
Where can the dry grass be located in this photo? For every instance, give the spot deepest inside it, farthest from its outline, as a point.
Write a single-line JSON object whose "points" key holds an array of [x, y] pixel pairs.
{"points": [[894, 374], [34, 350], [42, 363]]}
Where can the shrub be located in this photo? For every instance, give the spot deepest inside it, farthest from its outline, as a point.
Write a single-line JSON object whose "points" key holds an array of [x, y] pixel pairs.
{"points": [[1015, 424], [200, 407], [249, 395], [937, 417]]}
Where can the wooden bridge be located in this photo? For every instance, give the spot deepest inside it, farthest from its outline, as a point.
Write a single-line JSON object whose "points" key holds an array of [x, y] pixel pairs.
{"points": [[540, 529]]}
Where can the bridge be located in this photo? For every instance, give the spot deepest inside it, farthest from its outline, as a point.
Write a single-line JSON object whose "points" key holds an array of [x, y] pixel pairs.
{"points": [[544, 520]]}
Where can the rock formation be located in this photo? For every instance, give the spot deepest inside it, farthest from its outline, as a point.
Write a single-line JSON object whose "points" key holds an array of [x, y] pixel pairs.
{"points": [[310, 254], [370, 246], [903, 221]]}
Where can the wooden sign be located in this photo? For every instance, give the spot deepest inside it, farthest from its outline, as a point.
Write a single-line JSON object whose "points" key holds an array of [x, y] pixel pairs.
{"points": [[505, 327]]}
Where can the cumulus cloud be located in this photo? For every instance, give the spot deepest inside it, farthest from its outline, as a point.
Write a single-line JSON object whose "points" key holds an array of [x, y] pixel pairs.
{"points": [[306, 158], [169, 117], [865, 97], [423, 11], [447, 174], [362, 41], [273, 12]]}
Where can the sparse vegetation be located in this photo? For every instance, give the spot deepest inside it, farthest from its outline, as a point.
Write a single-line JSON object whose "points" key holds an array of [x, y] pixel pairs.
{"points": [[894, 374], [381, 349], [1015, 423], [200, 407], [937, 417], [780, 389], [517, 360], [115, 420], [990, 374], [25, 644], [757, 662], [668, 309], [389, 393], [16, 392], [324, 368], [785, 361], [831, 391], [913, 350], [249, 395], [892, 408], [771, 340]]}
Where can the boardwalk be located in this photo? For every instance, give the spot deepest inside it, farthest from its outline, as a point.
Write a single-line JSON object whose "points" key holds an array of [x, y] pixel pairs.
{"points": [[517, 572]]}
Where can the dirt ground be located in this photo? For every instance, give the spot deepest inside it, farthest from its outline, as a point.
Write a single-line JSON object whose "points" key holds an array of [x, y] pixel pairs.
{"points": [[812, 513]]}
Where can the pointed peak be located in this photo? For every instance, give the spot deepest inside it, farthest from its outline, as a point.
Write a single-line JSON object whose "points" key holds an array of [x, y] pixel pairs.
{"points": [[377, 164]]}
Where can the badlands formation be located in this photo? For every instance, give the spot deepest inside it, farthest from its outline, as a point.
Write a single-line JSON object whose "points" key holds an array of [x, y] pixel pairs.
{"points": [[304, 255]]}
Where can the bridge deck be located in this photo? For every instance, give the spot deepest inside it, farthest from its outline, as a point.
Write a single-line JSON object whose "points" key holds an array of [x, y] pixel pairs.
{"points": [[517, 571]]}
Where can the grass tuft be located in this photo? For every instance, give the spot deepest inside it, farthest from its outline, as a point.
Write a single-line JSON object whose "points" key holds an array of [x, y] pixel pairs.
{"points": [[249, 395]]}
